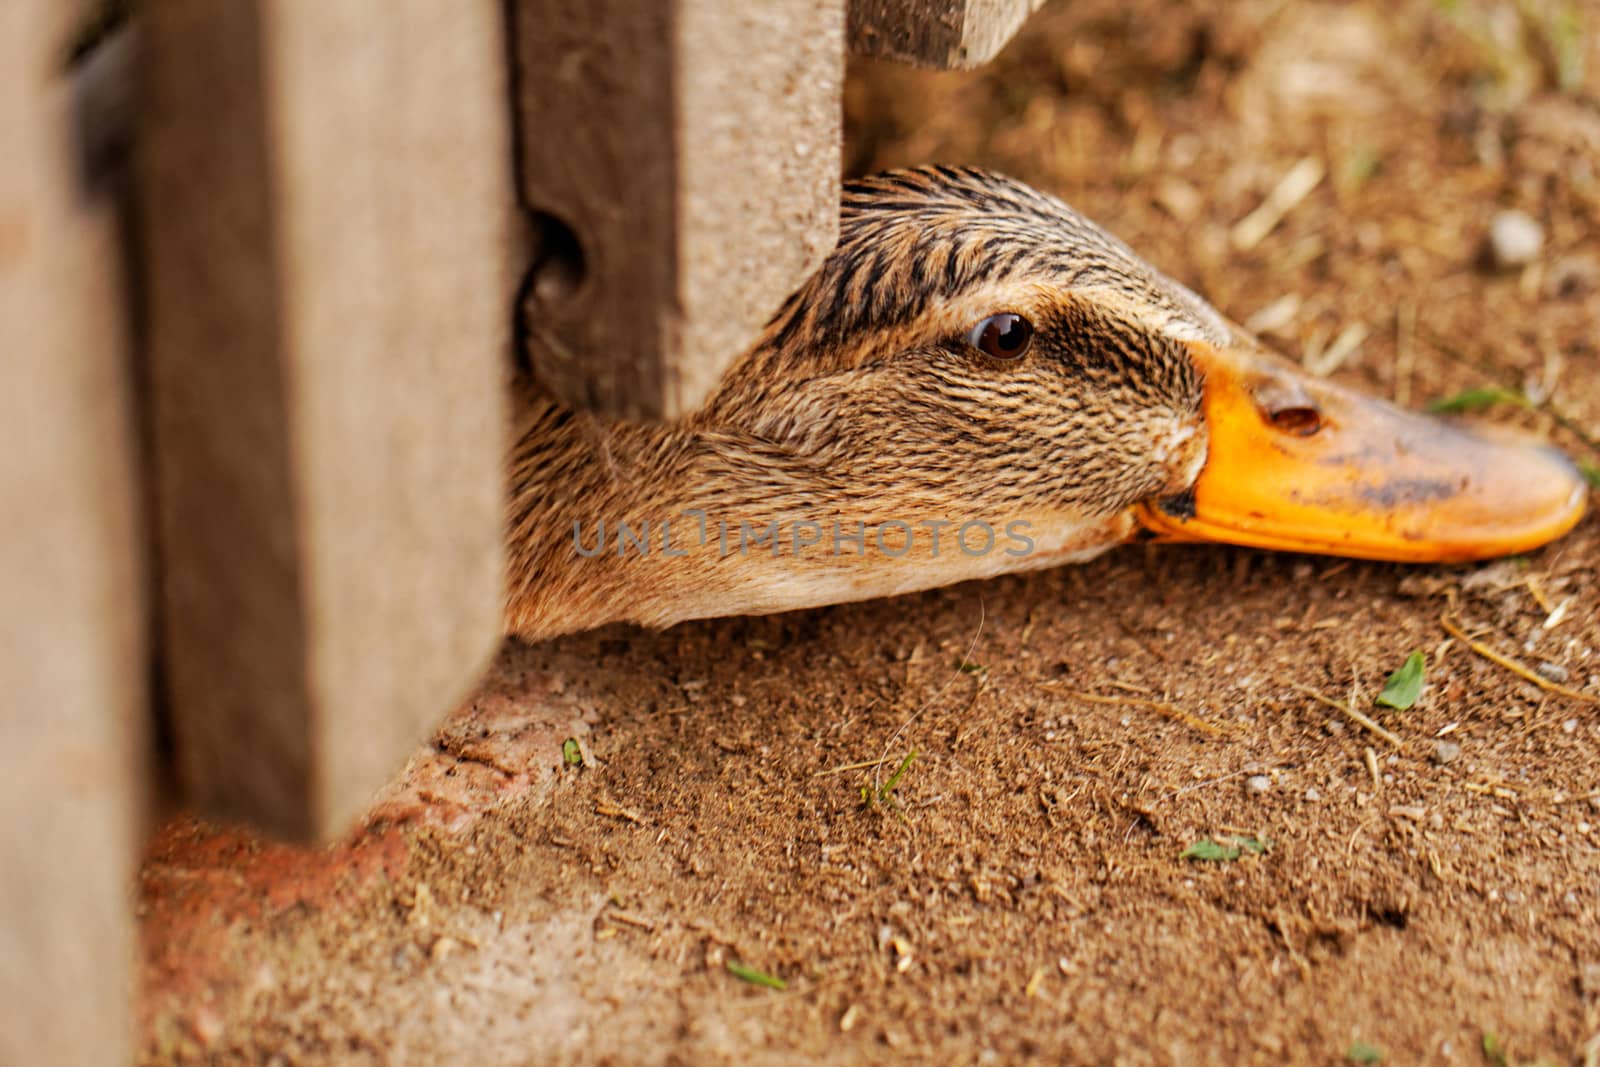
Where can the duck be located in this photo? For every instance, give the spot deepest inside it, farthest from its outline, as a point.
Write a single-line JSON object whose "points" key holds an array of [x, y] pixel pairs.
{"points": [[978, 381]]}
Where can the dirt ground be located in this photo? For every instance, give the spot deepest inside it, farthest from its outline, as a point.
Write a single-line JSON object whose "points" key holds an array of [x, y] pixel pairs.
{"points": [[1021, 890]]}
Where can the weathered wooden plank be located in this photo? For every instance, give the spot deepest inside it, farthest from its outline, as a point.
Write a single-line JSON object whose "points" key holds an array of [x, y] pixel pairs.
{"points": [[936, 33], [69, 648], [326, 192], [681, 159]]}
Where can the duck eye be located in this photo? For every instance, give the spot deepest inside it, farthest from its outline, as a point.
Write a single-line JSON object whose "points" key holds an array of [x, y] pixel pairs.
{"points": [[1003, 336]]}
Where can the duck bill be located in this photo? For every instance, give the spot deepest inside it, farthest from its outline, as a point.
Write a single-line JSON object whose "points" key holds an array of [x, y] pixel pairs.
{"points": [[1304, 465]]}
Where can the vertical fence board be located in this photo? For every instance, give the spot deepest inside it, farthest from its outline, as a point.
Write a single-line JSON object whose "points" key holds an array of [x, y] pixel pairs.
{"points": [[691, 148], [936, 33], [69, 653], [326, 191]]}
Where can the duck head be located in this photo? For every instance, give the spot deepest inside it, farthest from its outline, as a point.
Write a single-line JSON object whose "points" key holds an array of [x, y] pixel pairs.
{"points": [[979, 380]]}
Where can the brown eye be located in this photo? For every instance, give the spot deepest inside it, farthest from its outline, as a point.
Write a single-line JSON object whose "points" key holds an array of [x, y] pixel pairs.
{"points": [[1003, 336]]}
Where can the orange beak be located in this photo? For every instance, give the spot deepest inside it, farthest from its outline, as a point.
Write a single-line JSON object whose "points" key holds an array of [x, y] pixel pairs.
{"points": [[1305, 465]]}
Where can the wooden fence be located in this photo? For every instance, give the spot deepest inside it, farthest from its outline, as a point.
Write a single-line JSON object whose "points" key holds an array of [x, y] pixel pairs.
{"points": [[263, 265]]}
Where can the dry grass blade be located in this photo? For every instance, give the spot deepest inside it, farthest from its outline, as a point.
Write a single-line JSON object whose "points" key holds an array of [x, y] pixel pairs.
{"points": [[1405, 359], [1513, 666], [1343, 347], [1354, 716], [1275, 316], [1169, 710], [616, 811], [1294, 187], [1035, 980], [845, 768]]}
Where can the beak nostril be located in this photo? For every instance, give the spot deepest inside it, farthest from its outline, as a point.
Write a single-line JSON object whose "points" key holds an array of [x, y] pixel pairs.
{"points": [[1299, 421], [1286, 403]]}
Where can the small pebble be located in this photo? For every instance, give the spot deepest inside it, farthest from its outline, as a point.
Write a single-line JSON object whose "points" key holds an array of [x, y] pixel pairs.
{"points": [[1570, 726], [1313, 794], [1515, 240], [1553, 672], [1257, 783], [1446, 752]]}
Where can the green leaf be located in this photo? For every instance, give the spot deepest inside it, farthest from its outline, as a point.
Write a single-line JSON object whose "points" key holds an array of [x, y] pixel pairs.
{"points": [[968, 667], [571, 753], [1404, 685], [884, 794], [1361, 1052], [1254, 845], [1591, 474], [1210, 851], [888, 787], [755, 977], [1493, 1050], [1477, 400]]}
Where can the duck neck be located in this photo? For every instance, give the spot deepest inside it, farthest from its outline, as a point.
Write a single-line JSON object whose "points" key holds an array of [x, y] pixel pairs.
{"points": [[655, 524], [652, 524]]}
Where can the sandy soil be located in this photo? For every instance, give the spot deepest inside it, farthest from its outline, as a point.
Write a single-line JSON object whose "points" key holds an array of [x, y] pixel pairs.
{"points": [[1021, 889]]}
